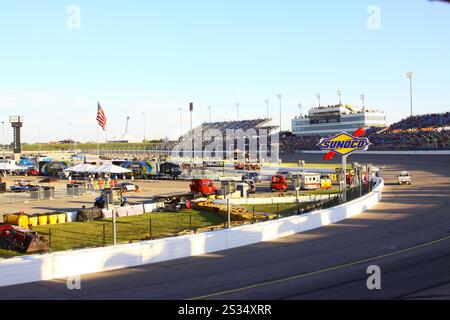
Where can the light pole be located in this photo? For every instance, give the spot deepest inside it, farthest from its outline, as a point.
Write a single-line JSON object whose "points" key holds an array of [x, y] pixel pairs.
{"points": [[3, 145], [300, 107], [280, 96], [191, 109], [318, 99], [39, 138], [363, 99], [237, 109], [267, 102], [339, 93], [181, 121], [410, 76], [70, 133], [209, 109], [143, 116]]}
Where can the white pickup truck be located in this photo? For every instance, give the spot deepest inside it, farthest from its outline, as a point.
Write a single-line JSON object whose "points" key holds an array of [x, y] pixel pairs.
{"points": [[404, 178]]}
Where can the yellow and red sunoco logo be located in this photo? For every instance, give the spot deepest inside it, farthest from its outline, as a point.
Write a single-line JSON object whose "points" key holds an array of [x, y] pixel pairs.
{"points": [[344, 144]]}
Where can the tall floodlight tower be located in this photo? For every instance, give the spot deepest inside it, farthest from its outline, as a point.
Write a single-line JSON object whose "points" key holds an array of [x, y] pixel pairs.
{"points": [[267, 102], [363, 99], [280, 96], [16, 123], [318, 99], [339, 93], [409, 75]]}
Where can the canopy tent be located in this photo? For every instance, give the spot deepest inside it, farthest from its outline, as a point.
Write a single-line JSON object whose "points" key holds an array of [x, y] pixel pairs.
{"points": [[110, 168], [81, 168], [11, 166]]}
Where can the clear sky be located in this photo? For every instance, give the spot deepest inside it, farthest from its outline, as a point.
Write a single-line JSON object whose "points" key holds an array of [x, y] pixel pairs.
{"points": [[156, 56]]}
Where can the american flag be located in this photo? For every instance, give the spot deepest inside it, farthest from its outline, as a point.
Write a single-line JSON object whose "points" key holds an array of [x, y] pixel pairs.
{"points": [[101, 117]]}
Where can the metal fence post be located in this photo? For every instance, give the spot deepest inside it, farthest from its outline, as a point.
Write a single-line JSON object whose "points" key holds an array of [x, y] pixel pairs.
{"points": [[253, 218], [104, 234], [50, 239], [190, 222], [278, 210], [150, 228]]}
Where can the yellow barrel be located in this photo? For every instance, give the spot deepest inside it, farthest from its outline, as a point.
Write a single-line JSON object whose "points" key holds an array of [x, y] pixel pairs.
{"points": [[33, 220], [62, 217], [42, 219], [52, 219], [17, 220]]}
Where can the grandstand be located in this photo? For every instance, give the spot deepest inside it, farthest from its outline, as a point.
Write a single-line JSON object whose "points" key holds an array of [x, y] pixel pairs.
{"points": [[255, 127], [338, 118], [423, 132]]}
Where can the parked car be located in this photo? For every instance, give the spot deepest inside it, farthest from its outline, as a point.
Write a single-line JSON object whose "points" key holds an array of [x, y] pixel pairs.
{"points": [[286, 174], [255, 176], [24, 188], [128, 187]]}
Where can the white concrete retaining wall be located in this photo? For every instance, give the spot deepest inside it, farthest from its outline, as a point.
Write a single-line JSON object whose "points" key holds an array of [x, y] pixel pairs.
{"points": [[257, 201], [74, 263]]}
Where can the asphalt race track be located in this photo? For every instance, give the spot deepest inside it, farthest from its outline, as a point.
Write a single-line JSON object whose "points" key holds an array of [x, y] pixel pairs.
{"points": [[407, 236]]}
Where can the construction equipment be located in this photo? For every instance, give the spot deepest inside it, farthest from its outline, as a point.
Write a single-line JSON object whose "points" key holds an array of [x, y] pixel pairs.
{"points": [[21, 240]]}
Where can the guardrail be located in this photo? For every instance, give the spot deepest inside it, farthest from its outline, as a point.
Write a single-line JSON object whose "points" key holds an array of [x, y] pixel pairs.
{"points": [[74, 263]]}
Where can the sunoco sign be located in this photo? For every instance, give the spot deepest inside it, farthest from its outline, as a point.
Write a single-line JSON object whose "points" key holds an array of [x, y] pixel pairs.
{"points": [[344, 144]]}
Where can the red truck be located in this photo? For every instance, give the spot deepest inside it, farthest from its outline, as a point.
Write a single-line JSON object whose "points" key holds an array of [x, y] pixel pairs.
{"points": [[203, 186], [279, 183]]}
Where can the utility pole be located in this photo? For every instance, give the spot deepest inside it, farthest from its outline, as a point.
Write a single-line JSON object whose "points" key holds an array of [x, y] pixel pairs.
{"points": [[318, 99], [191, 110], [339, 93], [300, 107], [209, 109], [181, 121], [280, 96], [143, 116], [267, 102], [3, 146], [410, 76], [126, 127], [363, 99], [237, 108]]}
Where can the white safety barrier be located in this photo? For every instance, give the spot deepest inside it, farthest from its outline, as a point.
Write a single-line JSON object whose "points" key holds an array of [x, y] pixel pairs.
{"points": [[74, 263], [258, 201]]}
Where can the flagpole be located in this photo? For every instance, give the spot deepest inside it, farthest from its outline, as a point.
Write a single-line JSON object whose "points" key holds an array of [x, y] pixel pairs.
{"points": [[98, 144]]}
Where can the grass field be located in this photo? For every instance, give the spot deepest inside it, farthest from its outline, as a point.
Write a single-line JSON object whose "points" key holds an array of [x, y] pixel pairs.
{"points": [[80, 235], [129, 229]]}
